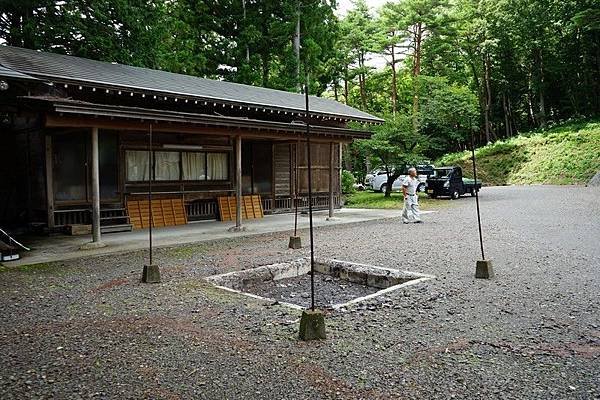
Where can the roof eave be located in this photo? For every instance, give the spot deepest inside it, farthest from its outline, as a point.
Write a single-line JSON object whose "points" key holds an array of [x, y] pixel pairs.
{"points": [[63, 107], [151, 92]]}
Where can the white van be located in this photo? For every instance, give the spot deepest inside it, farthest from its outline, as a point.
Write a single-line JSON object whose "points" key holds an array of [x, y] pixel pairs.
{"points": [[379, 182]]}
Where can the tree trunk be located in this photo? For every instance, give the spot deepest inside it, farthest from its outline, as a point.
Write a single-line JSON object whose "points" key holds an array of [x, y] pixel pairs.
{"points": [[418, 37], [247, 47], [541, 91], [390, 183], [346, 84], [265, 70], [394, 85], [361, 81], [507, 127], [335, 89], [488, 97], [514, 127], [530, 113]]}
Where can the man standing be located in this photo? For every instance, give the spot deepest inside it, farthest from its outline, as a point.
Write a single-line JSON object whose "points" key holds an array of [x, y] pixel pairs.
{"points": [[411, 211]]}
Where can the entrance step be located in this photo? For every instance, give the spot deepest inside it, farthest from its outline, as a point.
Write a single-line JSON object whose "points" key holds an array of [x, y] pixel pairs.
{"points": [[116, 228]]}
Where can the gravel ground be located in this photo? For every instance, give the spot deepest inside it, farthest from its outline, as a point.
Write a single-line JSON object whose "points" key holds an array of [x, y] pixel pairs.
{"points": [[86, 328], [328, 290]]}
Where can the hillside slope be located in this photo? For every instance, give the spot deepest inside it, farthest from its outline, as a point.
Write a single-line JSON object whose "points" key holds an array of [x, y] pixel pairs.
{"points": [[567, 154]]}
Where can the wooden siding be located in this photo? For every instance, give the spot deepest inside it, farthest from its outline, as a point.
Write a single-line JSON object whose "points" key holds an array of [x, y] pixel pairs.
{"points": [[282, 169], [320, 154]]}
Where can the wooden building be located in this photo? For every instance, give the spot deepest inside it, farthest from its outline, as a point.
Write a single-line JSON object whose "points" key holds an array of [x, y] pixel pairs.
{"points": [[74, 141]]}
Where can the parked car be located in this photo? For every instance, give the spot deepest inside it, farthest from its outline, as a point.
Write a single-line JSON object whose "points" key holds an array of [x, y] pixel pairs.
{"points": [[379, 182], [448, 181], [369, 177]]}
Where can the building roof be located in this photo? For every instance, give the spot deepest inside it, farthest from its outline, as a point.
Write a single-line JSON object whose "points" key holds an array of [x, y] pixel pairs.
{"points": [[82, 71], [9, 73]]}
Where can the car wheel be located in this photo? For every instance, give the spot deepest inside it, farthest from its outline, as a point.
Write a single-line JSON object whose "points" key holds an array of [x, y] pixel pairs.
{"points": [[472, 192], [383, 188], [455, 195], [432, 195], [421, 187]]}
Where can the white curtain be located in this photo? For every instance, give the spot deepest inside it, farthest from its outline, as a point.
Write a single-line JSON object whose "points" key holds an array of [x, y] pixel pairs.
{"points": [[217, 166], [137, 165], [166, 167], [194, 166]]}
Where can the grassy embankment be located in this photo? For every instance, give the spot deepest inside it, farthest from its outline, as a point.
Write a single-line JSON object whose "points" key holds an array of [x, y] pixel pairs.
{"points": [[563, 155]]}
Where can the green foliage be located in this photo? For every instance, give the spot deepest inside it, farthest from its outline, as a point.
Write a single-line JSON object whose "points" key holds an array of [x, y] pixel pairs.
{"points": [[566, 154], [124, 31], [348, 182], [394, 145], [506, 66]]}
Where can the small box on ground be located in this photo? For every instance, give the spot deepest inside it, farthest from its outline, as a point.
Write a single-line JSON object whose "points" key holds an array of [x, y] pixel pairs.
{"points": [[79, 229]]}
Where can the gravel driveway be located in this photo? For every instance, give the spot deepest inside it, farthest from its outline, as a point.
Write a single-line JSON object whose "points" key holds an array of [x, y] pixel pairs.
{"points": [[86, 328]]}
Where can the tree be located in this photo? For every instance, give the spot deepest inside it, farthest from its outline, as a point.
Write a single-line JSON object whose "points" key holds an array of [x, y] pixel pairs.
{"points": [[358, 37], [124, 31], [416, 20], [395, 146]]}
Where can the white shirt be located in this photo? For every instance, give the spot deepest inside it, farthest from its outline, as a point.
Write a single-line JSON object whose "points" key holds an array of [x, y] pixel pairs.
{"points": [[411, 184]]}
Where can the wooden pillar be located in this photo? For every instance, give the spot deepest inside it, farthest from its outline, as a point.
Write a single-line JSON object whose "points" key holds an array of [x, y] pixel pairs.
{"points": [[331, 180], [49, 183], [238, 182], [95, 188], [339, 188]]}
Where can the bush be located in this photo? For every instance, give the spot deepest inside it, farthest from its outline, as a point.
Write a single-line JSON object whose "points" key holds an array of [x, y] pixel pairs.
{"points": [[348, 181]]}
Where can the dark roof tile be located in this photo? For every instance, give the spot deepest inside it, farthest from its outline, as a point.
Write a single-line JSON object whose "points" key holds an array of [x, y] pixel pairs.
{"points": [[64, 68]]}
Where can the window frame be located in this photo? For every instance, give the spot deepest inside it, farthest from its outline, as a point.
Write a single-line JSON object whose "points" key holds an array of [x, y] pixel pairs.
{"points": [[181, 179]]}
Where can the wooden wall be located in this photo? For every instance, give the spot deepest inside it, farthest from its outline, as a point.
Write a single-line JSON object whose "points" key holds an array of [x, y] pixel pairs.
{"points": [[320, 156]]}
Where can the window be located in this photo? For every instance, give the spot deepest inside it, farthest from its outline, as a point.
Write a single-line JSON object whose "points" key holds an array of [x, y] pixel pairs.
{"points": [[166, 165], [137, 165], [217, 164], [175, 166], [193, 166]]}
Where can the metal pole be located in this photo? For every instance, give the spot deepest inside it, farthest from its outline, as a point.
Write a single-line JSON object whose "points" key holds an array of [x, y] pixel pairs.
{"points": [[476, 192], [310, 213], [331, 157], [95, 188], [296, 191], [150, 178], [238, 178]]}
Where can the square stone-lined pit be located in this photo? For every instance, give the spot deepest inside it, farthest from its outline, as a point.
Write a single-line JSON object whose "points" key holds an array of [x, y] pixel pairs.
{"points": [[337, 283]]}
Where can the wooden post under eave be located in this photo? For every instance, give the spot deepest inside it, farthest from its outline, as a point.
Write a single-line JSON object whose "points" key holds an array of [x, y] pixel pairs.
{"points": [[238, 182], [95, 188], [49, 183], [96, 238], [331, 180], [340, 174]]}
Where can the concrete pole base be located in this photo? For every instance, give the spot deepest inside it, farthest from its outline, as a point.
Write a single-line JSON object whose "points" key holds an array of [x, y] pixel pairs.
{"points": [[484, 269], [332, 219], [312, 325], [151, 274], [295, 242], [92, 246], [237, 229]]}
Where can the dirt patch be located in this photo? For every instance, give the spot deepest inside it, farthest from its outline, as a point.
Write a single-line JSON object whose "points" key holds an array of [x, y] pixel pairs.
{"points": [[111, 284], [329, 290]]}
